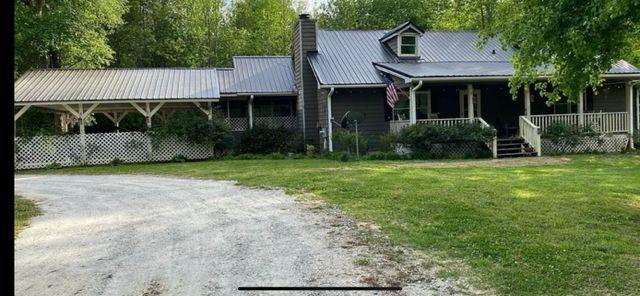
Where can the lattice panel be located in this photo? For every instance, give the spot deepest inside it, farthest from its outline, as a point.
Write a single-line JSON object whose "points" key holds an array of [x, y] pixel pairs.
{"points": [[101, 148], [602, 144], [451, 149], [238, 124], [279, 121], [38, 152]]}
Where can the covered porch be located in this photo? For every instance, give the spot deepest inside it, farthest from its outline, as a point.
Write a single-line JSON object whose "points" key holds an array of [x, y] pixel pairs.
{"points": [[609, 111]]}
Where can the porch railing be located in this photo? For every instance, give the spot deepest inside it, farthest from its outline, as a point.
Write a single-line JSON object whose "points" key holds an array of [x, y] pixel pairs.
{"points": [[530, 133], [397, 125], [606, 122]]}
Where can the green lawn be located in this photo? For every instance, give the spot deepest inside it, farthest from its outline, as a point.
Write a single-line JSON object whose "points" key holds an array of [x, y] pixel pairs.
{"points": [[558, 229], [23, 210]]}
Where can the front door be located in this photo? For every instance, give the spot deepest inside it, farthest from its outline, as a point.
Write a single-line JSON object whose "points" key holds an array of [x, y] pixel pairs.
{"points": [[464, 106]]}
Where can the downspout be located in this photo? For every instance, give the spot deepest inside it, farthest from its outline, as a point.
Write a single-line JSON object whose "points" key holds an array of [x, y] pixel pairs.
{"points": [[412, 103], [251, 111], [330, 120]]}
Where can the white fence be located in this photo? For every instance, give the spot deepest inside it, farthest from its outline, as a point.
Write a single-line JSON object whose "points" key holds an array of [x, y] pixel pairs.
{"points": [[605, 122], [530, 133], [397, 125], [239, 124], [101, 148]]}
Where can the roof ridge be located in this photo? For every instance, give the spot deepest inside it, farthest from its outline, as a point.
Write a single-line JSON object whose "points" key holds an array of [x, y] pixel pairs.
{"points": [[257, 56], [124, 68]]}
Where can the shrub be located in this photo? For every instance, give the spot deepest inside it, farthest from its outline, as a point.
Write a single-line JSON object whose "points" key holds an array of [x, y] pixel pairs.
{"points": [[265, 140], [636, 139], [53, 166], [382, 155], [346, 141], [194, 128], [389, 141], [276, 155], [116, 161], [567, 136], [428, 141], [179, 158], [337, 155], [310, 150]]}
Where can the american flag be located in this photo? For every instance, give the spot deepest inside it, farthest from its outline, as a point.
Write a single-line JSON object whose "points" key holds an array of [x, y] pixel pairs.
{"points": [[392, 95]]}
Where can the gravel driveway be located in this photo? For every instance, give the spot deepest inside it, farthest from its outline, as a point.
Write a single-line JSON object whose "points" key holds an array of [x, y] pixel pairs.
{"points": [[148, 235]]}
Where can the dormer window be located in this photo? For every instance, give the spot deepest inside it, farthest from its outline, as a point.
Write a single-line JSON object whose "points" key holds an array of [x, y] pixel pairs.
{"points": [[408, 45]]}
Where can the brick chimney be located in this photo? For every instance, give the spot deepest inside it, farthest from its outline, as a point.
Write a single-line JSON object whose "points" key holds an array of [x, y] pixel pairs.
{"points": [[304, 42]]}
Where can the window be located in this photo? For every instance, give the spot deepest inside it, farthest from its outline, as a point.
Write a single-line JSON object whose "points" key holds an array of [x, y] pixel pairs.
{"points": [[408, 45]]}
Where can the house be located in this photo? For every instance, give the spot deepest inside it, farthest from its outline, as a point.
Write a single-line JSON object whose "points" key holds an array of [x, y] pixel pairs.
{"points": [[441, 76]]}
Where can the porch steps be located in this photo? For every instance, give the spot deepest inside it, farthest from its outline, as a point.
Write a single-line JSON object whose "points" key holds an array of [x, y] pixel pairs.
{"points": [[514, 147]]}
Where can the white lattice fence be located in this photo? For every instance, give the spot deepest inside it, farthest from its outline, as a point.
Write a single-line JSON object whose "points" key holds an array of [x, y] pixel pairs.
{"points": [[603, 144], [276, 121], [101, 148]]}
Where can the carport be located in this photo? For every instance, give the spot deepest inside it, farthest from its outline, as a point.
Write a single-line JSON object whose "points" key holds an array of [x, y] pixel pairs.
{"points": [[75, 94]]}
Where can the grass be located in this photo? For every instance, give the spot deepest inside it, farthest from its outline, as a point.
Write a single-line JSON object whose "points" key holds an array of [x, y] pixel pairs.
{"points": [[557, 229], [23, 210]]}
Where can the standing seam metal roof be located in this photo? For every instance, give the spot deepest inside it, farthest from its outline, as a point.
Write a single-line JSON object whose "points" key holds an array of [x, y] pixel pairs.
{"points": [[258, 74], [351, 57], [67, 85]]}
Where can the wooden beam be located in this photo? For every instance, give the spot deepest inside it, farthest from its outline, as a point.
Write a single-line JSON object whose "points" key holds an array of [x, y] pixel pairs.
{"points": [[112, 118], [71, 110], [21, 111], [88, 112], [156, 109], [135, 105]]}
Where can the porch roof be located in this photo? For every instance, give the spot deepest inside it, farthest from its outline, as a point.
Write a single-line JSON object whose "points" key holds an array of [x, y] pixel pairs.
{"points": [[471, 69], [56, 86]]}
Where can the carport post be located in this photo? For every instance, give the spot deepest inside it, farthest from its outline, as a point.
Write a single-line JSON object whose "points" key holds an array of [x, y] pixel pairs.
{"points": [[83, 137], [251, 111]]}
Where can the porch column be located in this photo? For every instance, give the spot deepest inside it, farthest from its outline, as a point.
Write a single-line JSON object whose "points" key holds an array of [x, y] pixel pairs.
{"points": [[581, 108], [470, 100], [148, 115], [412, 103], [527, 101], [251, 111], [83, 137], [628, 88]]}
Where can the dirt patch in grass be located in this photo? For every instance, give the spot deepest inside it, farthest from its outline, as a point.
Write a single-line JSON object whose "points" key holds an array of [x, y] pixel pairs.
{"points": [[23, 210], [501, 162], [383, 263]]}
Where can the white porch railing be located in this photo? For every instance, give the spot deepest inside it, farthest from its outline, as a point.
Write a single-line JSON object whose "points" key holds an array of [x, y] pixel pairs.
{"points": [[530, 133], [606, 122]]}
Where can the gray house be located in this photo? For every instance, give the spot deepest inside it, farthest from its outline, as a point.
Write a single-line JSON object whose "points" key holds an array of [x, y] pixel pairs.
{"points": [[441, 76]]}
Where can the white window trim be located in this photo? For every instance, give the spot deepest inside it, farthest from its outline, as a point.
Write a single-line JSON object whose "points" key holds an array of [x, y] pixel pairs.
{"points": [[417, 45]]}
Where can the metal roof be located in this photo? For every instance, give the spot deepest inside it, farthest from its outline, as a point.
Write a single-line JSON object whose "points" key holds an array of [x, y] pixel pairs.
{"points": [[78, 85], [258, 74], [472, 69], [453, 69], [347, 57], [353, 57]]}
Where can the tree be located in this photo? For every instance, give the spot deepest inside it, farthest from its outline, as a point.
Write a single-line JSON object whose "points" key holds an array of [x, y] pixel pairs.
{"points": [[379, 14], [574, 42], [64, 33], [263, 27]]}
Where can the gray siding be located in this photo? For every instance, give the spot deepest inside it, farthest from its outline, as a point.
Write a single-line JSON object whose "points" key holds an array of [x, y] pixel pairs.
{"points": [[368, 101], [393, 44], [612, 100]]}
